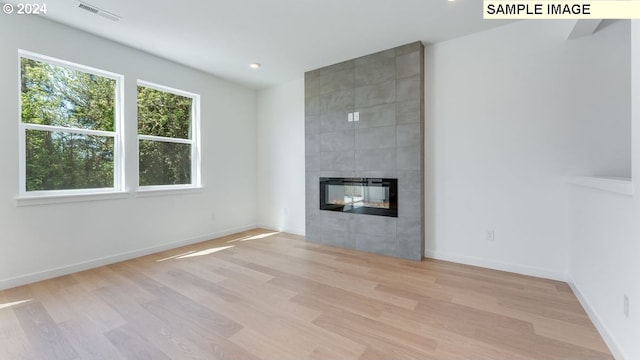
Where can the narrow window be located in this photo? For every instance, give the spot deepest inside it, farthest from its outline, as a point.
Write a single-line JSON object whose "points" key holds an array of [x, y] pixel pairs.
{"points": [[168, 141], [69, 128]]}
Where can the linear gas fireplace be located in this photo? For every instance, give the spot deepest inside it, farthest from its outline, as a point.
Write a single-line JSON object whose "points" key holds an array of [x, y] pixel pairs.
{"points": [[373, 196]]}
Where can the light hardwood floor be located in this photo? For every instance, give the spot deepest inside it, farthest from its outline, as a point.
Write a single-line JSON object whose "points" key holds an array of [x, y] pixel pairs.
{"points": [[265, 295]]}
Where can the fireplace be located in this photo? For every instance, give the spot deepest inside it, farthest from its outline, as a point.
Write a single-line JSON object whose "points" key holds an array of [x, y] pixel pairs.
{"points": [[373, 196]]}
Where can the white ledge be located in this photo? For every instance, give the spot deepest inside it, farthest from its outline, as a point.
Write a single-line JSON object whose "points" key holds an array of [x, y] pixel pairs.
{"points": [[168, 190], [69, 198], [615, 185]]}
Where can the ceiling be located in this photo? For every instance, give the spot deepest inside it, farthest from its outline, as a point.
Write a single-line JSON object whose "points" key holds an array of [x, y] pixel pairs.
{"points": [[288, 37]]}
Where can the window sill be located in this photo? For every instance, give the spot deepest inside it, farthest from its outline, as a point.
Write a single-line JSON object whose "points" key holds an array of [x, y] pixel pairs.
{"points": [[623, 186], [72, 198], [69, 198], [168, 190]]}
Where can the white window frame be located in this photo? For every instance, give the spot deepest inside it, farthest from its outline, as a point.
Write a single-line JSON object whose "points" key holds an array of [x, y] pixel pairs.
{"points": [[117, 134], [196, 181]]}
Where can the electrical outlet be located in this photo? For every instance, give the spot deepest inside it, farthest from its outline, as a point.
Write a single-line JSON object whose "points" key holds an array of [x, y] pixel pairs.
{"points": [[625, 306], [350, 117], [491, 235]]}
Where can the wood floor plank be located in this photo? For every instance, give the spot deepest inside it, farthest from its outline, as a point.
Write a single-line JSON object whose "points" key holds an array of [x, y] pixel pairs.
{"points": [[262, 295], [43, 334], [543, 325], [322, 352], [89, 343], [373, 339], [13, 342], [263, 346], [180, 311], [283, 323], [133, 345], [451, 345], [170, 340]]}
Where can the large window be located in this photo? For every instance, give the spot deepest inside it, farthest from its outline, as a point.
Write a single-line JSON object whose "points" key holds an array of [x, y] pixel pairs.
{"points": [[71, 132], [69, 128], [168, 145]]}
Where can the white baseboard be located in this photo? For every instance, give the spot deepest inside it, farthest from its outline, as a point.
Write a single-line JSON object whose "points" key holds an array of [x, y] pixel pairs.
{"points": [[85, 265], [497, 265], [289, 230], [597, 322]]}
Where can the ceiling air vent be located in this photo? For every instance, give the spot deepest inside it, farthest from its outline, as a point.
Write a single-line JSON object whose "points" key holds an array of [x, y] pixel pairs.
{"points": [[98, 11]]}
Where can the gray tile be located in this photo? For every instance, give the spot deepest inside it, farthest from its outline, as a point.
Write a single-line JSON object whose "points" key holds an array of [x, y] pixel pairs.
{"points": [[313, 235], [345, 65], [312, 75], [410, 238], [311, 87], [312, 192], [312, 216], [375, 160], [381, 55], [409, 89], [338, 174], [337, 161], [382, 93], [409, 158], [408, 65], [380, 115], [409, 135], [312, 162], [410, 203], [383, 245], [336, 221], [410, 180], [313, 222], [376, 225], [407, 48], [388, 174], [312, 200], [410, 194], [311, 143], [337, 141], [338, 101], [336, 81], [382, 137], [334, 121], [375, 72], [408, 112], [338, 239], [312, 124], [312, 105], [352, 221]]}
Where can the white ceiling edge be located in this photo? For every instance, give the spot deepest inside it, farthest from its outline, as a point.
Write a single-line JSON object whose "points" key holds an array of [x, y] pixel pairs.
{"points": [[288, 37]]}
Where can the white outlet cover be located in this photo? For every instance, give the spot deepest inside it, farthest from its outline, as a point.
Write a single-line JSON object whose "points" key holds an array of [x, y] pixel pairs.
{"points": [[625, 307], [491, 235]]}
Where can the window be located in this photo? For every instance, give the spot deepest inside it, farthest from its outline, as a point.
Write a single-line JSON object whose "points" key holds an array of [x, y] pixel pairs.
{"points": [[69, 128], [168, 141]]}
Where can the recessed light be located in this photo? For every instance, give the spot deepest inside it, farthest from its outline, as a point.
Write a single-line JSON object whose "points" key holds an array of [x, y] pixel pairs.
{"points": [[255, 66]]}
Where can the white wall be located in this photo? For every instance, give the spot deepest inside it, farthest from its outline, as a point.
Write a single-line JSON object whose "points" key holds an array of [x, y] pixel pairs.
{"points": [[46, 240], [510, 112], [281, 168], [506, 111], [605, 242]]}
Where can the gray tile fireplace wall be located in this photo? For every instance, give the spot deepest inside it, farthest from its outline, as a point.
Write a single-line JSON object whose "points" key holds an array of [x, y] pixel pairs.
{"points": [[387, 89]]}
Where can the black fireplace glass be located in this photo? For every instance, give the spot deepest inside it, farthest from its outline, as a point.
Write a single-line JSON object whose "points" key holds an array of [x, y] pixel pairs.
{"points": [[373, 196]]}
